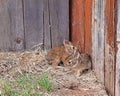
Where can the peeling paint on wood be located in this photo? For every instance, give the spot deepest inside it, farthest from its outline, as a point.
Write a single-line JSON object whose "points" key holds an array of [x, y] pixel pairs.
{"points": [[103, 42], [117, 83], [110, 34], [118, 20], [98, 23]]}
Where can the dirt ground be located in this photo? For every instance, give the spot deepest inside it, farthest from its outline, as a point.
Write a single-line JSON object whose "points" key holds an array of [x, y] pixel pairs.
{"points": [[64, 82]]}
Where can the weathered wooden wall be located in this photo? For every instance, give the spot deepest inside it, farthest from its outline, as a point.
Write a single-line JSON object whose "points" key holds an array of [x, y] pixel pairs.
{"points": [[117, 83], [98, 38], [24, 23], [103, 49], [110, 46], [93, 23], [11, 25]]}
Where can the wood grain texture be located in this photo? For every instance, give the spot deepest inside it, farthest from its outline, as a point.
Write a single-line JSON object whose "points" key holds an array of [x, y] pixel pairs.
{"points": [[117, 83], [81, 16], [53, 5], [98, 24], [77, 23], [33, 22], [59, 20], [110, 36], [118, 20], [15, 10], [4, 26], [25, 23], [46, 24], [88, 25], [63, 18], [117, 78], [11, 25]]}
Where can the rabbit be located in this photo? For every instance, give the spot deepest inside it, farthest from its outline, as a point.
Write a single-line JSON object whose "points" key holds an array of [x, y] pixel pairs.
{"points": [[70, 56], [78, 62], [83, 62], [61, 54]]}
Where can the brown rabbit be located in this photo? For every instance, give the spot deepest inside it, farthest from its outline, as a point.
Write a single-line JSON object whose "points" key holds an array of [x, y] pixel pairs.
{"points": [[61, 54], [79, 62], [83, 62], [70, 56]]}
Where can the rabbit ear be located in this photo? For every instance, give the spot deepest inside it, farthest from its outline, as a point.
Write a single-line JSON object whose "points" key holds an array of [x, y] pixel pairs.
{"points": [[77, 54], [78, 46], [68, 46], [66, 42]]}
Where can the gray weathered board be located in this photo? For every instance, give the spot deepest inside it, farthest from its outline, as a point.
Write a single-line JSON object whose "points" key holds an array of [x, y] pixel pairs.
{"points": [[25, 23], [117, 84], [98, 37], [11, 25], [103, 43]]}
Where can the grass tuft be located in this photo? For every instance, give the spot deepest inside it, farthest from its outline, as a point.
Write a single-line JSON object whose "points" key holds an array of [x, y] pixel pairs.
{"points": [[45, 83], [26, 85]]}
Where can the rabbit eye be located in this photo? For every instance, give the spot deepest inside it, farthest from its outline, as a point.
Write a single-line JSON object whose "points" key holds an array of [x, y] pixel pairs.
{"points": [[73, 47], [70, 62]]}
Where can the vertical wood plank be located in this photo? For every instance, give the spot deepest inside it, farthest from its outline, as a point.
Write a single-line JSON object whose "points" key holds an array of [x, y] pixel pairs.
{"points": [[88, 26], [98, 24], [63, 18], [11, 25], [117, 78], [118, 20], [77, 23], [81, 16], [46, 24], [15, 10], [4, 26], [54, 23], [117, 83], [33, 22], [25, 23], [110, 46], [59, 20]]}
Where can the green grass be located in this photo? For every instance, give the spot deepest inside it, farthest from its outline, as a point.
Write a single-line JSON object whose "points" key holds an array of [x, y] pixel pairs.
{"points": [[45, 83], [27, 85]]}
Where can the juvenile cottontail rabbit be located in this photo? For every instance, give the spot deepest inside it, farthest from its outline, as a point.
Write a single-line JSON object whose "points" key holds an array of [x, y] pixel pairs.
{"points": [[61, 54], [70, 56], [84, 62], [79, 62]]}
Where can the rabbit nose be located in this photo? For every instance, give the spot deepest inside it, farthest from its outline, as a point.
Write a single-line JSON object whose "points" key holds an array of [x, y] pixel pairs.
{"points": [[61, 63]]}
